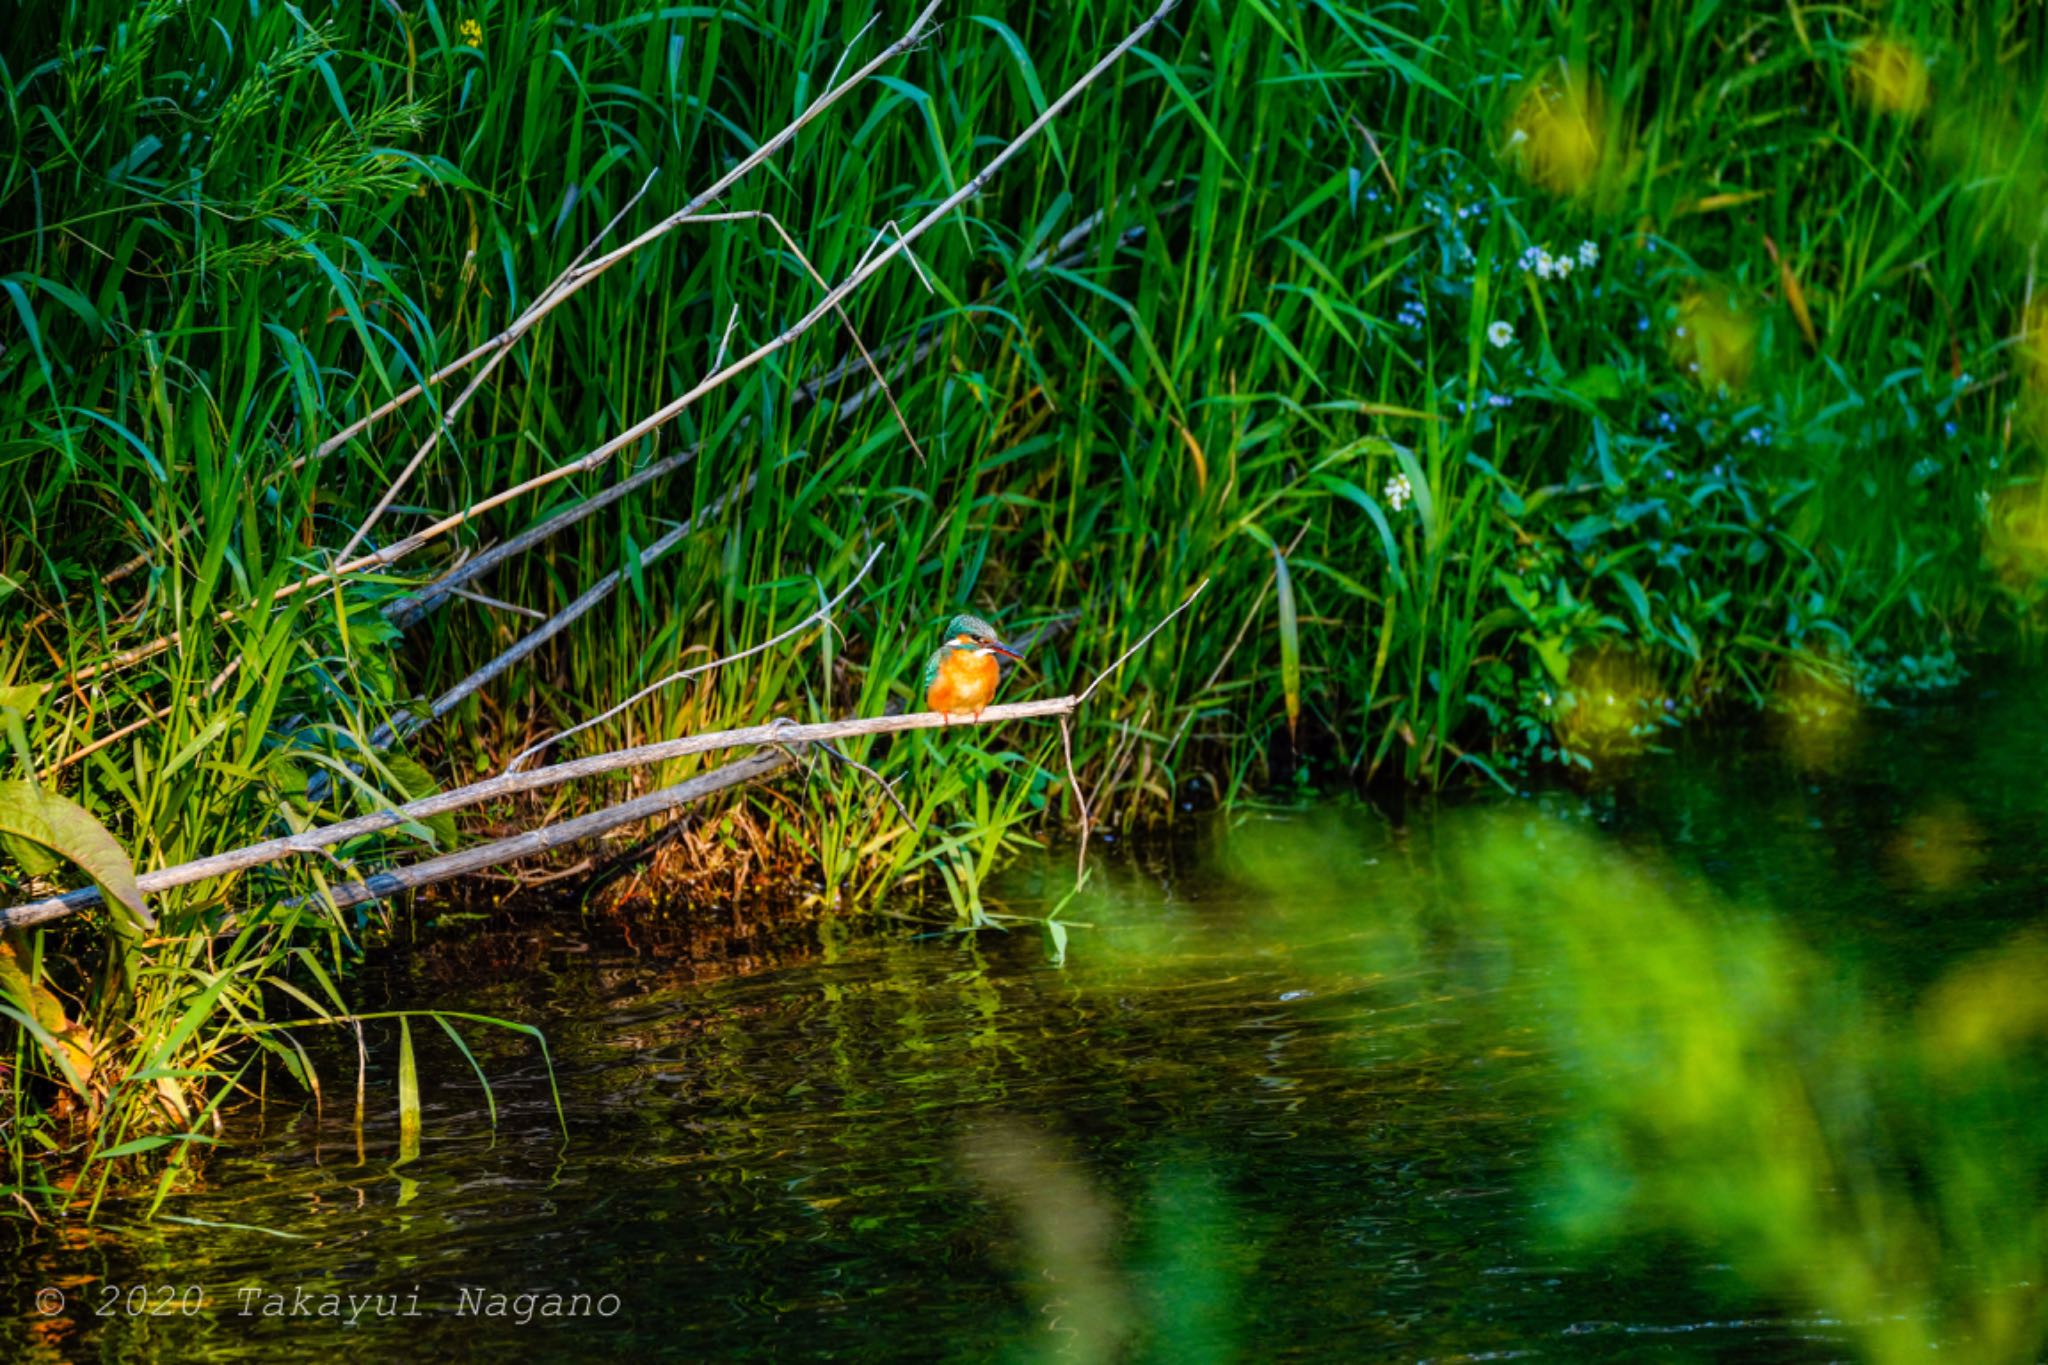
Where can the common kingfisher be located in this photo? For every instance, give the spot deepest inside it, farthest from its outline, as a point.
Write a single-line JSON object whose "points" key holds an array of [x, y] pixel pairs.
{"points": [[960, 679]]}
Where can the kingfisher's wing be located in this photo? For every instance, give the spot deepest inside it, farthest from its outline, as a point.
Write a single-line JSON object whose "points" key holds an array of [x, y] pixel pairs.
{"points": [[931, 668]]}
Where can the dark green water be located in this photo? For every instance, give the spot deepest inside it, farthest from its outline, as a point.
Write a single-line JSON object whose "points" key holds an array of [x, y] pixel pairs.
{"points": [[1741, 1059]]}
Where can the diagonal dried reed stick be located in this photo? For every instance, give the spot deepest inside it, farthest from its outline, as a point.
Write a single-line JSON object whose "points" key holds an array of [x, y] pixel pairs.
{"points": [[668, 412]]}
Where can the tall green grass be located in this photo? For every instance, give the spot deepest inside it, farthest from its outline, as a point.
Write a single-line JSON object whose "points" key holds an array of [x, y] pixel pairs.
{"points": [[229, 230]]}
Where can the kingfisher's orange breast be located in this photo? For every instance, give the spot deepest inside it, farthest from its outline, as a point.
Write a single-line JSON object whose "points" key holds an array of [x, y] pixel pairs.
{"points": [[966, 682]]}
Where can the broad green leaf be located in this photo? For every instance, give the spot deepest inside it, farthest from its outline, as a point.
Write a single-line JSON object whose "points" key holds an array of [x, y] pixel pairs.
{"points": [[1055, 942], [416, 782], [67, 828]]}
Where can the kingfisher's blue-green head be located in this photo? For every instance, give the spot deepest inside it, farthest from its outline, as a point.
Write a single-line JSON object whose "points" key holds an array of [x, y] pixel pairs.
{"points": [[975, 633]]}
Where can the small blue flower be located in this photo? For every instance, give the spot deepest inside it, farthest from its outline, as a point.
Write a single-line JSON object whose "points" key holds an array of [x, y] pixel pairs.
{"points": [[1950, 428]]}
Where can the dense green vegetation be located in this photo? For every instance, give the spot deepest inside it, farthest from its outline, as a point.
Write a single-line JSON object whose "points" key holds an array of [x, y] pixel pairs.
{"points": [[1278, 301]]}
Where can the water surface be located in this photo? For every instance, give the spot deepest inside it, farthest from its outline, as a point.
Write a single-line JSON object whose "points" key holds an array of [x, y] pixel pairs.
{"points": [[1728, 1060]]}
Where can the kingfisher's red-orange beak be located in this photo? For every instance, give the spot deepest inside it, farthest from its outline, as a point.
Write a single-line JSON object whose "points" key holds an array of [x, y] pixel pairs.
{"points": [[1004, 650]]}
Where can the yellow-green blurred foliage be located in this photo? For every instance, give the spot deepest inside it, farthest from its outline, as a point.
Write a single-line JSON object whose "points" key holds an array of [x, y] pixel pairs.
{"points": [[1714, 339], [1890, 75], [1733, 1087], [2032, 352], [1817, 717], [1556, 136], [1939, 847], [2016, 540], [1614, 704], [1066, 1235]]}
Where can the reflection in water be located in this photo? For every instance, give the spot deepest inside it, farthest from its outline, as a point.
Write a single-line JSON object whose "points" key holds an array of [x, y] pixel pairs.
{"points": [[1747, 1063], [1068, 1233]]}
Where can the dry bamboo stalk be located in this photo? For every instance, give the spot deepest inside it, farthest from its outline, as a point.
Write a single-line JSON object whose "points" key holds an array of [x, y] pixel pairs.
{"points": [[782, 733], [749, 769]]}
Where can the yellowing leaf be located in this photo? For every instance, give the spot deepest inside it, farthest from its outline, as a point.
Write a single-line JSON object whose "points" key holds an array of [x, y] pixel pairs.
{"points": [[1795, 297], [1290, 643], [71, 1046]]}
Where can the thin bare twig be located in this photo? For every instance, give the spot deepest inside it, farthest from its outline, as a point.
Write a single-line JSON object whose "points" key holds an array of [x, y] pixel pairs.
{"points": [[1143, 640], [147, 719], [1074, 781], [822, 613]]}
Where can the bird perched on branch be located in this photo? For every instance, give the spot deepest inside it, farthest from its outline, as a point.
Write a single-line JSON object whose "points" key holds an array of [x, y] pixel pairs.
{"points": [[960, 679]]}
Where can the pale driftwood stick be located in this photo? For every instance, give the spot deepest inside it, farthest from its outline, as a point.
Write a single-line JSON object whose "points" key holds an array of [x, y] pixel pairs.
{"points": [[669, 411], [406, 612], [782, 732], [717, 363], [579, 277], [407, 722], [549, 837], [779, 732]]}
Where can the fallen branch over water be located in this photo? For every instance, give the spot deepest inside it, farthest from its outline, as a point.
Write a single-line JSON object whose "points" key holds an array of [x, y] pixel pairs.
{"points": [[785, 735]]}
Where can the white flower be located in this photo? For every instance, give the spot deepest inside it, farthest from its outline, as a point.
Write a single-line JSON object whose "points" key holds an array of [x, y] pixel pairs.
{"points": [[1500, 334], [1399, 490], [1544, 265], [1589, 254], [1563, 265]]}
